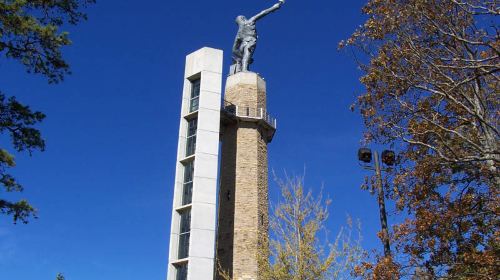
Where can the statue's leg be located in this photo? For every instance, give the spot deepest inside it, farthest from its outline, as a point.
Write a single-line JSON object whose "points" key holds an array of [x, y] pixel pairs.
{"points": [[246, 59], [236, 63], [238, 54], [250, 45]]}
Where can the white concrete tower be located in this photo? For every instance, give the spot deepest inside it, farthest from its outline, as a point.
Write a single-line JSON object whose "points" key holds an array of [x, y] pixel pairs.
{"points": [[192, 237]]}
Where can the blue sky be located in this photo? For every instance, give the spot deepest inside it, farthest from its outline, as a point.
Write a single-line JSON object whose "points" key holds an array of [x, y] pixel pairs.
{"points": [[104, 185]]}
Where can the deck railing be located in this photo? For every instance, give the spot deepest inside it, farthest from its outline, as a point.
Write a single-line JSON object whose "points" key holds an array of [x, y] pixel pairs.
{"points": [[248, 112]]}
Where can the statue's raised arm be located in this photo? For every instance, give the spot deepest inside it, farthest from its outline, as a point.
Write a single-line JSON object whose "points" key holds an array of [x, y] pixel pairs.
{"points": [[267, 11], [246, 39]]}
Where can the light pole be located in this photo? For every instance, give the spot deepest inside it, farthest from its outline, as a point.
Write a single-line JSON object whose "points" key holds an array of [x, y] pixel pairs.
{"points": [[388, 158]]}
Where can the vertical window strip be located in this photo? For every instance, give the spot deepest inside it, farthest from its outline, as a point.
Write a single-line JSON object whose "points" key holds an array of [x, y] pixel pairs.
{"points": [[191, 137], [181, 271], [195, 96], [185, 229], [187, 195]]}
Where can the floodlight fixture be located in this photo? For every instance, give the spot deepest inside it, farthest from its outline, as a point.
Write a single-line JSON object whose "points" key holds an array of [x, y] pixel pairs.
{"points": [[389, 157], [365, 155]]}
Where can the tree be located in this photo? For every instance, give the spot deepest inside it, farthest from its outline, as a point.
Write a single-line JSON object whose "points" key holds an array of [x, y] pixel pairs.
{"points": [[30, 34], [297, 249], [432, 91]]}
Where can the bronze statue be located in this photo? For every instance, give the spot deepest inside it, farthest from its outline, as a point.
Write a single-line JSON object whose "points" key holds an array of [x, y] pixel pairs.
{"points": [[246, 39]]}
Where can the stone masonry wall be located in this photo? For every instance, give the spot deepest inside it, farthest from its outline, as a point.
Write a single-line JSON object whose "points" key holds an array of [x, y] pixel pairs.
{"points": [[243, 197], [225, 232]]}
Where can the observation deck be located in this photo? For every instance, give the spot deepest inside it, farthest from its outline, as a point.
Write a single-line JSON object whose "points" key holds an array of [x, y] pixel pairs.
{"points": [[232, 112]]}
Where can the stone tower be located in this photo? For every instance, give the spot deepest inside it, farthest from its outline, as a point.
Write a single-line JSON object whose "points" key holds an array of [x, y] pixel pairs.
{"points": [[246, 129]]}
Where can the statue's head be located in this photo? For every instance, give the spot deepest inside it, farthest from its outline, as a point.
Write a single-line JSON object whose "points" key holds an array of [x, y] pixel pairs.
{"points": [[240, 19]]}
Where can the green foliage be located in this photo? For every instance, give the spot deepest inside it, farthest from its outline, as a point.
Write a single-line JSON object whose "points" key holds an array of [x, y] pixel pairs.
{"points": [[17, 120], [21, 210], [30, 34]]}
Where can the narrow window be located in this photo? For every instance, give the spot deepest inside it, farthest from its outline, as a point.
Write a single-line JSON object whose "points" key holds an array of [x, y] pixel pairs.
{"points": [[191, 137], [187, 195], [195, 96], [182, 270], [184, 234]]}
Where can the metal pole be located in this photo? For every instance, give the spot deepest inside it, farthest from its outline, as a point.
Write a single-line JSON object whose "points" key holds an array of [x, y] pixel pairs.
{"points": [[381, 205]]}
